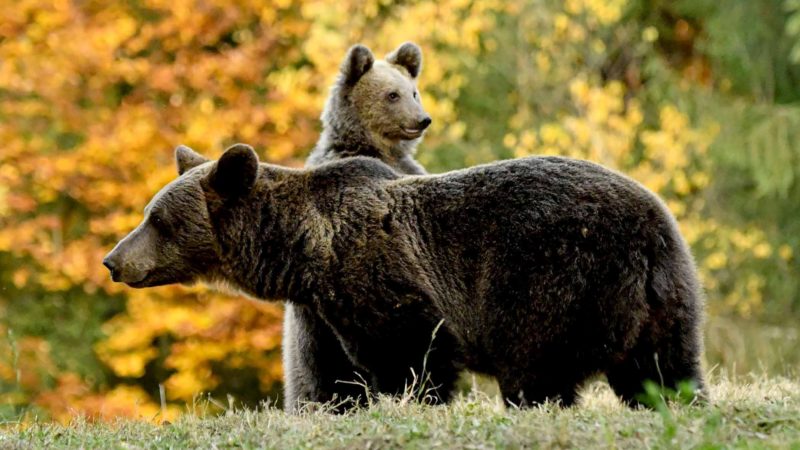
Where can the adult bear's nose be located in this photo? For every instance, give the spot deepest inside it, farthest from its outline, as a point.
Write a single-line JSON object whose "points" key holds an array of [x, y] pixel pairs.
{"points": [[424, 123], [110, 264]]}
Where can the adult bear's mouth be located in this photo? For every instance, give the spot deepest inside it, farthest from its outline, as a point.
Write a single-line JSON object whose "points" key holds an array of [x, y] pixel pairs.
{"points": [[141, 281], [160, 278]]}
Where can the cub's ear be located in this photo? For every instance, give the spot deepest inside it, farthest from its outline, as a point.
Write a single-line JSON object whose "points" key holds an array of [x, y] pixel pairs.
{"points": [[186, 158], [358, 61], [408, 55], [235, 173]]}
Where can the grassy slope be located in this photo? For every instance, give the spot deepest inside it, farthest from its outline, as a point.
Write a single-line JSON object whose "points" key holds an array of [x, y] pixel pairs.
{"points": [[764, 413]]}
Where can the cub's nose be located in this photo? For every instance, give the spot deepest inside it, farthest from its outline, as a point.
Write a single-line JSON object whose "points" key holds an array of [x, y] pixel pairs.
{"points": [[424, 123]]}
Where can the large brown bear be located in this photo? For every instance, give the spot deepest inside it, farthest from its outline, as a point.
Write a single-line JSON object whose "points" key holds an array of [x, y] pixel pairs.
{"points": [[543, 271], [374, 110]]}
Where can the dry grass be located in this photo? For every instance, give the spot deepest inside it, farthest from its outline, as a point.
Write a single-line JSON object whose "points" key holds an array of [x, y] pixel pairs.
{"points": [[757, 412]]}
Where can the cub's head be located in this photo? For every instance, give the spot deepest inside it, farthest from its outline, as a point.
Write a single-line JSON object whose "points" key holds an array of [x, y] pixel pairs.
{"points": [[380, 96], [177, 241]]}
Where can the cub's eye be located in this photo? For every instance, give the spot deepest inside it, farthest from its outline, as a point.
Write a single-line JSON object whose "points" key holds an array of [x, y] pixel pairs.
{"points": [[393, 96], [415, 94]]}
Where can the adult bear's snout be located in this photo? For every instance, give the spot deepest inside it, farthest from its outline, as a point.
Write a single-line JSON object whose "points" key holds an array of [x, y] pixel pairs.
{"points": [[133, 258], [111, 265], [122, 270]]}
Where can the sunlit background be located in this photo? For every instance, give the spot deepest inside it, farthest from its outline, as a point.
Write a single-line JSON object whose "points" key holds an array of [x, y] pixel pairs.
{"points": [[697, 99]]}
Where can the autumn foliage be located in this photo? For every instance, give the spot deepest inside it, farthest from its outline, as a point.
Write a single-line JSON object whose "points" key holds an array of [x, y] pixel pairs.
{"points": [[95, 95]]}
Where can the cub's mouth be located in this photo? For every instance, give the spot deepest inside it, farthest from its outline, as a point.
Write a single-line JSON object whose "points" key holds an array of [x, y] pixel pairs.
{"points": [[411, 133]]}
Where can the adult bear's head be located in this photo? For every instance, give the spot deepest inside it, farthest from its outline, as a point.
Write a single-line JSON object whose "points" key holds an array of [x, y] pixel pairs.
{"points": [[177, 241]]}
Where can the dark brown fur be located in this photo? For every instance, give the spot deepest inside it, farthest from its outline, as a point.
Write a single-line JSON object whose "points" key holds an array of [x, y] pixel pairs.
{"points": [[545, 271]]}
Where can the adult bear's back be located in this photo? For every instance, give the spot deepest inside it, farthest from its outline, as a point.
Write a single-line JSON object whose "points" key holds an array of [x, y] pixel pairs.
{"points": [[538, 193]]}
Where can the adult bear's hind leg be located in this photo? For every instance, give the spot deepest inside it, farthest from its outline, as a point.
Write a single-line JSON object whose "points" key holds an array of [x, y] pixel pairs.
{"points": [[668, 361], [668, 348]]}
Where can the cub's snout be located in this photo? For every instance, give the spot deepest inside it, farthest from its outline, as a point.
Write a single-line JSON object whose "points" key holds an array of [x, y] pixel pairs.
{"points": [[424, 123]]}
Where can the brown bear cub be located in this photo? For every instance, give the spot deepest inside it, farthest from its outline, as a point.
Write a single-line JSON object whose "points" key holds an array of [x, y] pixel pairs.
{"points": [[544, 271], [373, 110]]}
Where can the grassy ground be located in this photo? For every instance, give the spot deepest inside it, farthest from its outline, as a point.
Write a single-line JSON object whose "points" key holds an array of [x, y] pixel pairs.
{"points": [[757, 413]]}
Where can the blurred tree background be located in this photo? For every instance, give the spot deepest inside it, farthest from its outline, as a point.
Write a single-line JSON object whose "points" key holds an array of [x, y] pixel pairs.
{"points": [[697, 99]]}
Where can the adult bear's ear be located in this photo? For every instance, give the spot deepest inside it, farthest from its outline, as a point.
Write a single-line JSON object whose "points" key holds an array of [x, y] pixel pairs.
{"points": [[408, 55], [186, 158], [358, 61], [235, 173]]}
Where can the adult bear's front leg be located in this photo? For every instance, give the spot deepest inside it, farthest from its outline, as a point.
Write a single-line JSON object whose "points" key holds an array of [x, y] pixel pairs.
{"points": [[315, 366]]}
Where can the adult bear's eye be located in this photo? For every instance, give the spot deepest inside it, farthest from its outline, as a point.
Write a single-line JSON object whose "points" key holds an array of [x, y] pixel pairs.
{"points": [[393, 96], [160, 224]]}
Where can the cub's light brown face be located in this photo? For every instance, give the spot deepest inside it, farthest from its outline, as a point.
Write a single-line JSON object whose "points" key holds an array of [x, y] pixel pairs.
{"points": [[387, 101], [175, 243], [384, 92]]}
